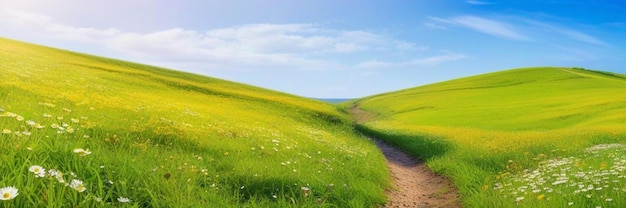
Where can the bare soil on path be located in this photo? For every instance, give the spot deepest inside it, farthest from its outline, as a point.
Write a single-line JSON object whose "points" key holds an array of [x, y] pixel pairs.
{"points": [[414, 184]]}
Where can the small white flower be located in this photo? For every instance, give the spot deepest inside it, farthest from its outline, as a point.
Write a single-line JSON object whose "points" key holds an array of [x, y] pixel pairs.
{"points": [[30, 122], [37, 170], [8, 193], [123, 199], [305, 190], [56, 174], [78, 185], [82, 152]]}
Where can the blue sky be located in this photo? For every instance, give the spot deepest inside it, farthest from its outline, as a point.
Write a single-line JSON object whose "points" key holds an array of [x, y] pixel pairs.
{"points": [[331, 48]]}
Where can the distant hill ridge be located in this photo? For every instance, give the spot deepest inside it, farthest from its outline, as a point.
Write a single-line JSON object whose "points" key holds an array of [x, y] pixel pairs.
{"points": [[517, 99]]}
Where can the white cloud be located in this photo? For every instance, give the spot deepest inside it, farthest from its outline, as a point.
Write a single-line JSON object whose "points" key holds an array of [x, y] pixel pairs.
{"points": [[22, 18], [567, 32], [45, 26], [579, 36], [523, 29], [487, 26], [299, 46]]}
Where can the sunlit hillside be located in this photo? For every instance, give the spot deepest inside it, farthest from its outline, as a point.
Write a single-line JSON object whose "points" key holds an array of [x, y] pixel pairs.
{"points": [[532, 98], [85, 131], [532, 137]]}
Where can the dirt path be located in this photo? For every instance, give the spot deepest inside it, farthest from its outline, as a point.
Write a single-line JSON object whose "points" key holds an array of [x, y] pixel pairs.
{"points": [[414, 185]]}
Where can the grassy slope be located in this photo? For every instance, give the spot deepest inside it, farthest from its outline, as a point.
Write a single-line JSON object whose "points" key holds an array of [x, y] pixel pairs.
{"points": [[167, 138], [511, 100], [483, 131]]}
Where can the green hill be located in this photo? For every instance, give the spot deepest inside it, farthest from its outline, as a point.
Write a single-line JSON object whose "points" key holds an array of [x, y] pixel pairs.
{"points": [[521, 99], [530, 137], [106, 130]]}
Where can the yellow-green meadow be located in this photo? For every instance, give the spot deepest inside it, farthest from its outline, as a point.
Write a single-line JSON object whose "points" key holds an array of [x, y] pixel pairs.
{"points": [[85, 131], [533, 137]]}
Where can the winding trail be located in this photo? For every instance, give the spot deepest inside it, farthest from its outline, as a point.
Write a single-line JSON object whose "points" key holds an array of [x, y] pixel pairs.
{"points": [[414, 185]]}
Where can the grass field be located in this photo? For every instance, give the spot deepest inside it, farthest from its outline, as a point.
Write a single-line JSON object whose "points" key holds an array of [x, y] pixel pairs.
{"points": [[532, 137], [85, 131]]}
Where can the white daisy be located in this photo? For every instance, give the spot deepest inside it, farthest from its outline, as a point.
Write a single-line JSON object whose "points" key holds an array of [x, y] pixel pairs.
{"points": [[8, 193], [37, 170], [56, 174], [78, 185]]}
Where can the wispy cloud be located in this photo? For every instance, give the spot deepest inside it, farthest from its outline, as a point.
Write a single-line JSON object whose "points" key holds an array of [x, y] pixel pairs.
{"points": [[475, 2], [567, 32], [376, 64], [579, 36], [435, 26], [426, 61], [40, 23], [616, 24], [576, 55], [486, 26], [436, 60], [518, 29], [293, 46]]}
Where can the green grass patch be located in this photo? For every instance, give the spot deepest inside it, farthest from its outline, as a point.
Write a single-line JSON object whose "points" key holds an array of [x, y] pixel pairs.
{"points": [[516, 138], [113, 133]]}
